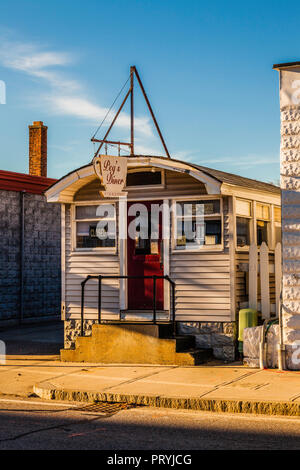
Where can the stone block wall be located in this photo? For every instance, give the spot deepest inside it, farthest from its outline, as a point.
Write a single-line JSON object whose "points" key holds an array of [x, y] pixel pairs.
{"points": [[251, 346], [9, 255], [72, 329], [290, 184], [42, 289], [218, 336]]}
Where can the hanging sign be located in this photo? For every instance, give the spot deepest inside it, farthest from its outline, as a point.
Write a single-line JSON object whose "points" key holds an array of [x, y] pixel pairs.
{"points": [[112, 172]]}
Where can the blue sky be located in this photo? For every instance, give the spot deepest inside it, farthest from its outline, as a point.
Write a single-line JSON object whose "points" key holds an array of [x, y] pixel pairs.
{"points": [[206, 66]]}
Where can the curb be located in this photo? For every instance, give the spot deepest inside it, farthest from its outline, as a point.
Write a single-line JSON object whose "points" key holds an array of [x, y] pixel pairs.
{"points": [[272, 408]]}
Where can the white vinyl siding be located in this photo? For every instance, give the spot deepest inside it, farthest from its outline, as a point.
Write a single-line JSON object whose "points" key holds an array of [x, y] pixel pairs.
{"points": [[78, 266], [202, 286], [203, 281], [176, 185]]}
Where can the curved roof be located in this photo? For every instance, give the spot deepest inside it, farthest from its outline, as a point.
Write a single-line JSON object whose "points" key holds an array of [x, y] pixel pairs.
{"points": [[213, 179]]}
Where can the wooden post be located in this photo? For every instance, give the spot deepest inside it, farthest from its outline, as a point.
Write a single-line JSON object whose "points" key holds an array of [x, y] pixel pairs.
{"points": [[63, 261], [264, 281], [166, 251], [131, 110], [253, 276], [277, 276], [123, 250]]}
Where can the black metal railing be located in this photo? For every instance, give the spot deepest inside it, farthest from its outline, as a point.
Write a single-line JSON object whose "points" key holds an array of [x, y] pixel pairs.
{"points": [[154, 320]]}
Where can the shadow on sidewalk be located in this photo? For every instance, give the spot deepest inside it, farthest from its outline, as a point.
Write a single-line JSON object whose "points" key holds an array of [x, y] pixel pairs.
{"points": [[45, 339]]}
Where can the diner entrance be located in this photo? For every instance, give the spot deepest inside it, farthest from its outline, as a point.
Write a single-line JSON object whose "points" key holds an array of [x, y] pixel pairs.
{"points": [[145, 254]]}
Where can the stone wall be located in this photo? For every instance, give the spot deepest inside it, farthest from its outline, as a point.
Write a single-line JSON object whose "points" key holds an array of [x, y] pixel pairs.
{"points": [[218, 336], [290, 184], [251, 346], [42, 290], [72, 329]]}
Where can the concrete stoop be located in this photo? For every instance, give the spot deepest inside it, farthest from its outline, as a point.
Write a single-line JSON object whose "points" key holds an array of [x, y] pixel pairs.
{"points": [[136, 344]]}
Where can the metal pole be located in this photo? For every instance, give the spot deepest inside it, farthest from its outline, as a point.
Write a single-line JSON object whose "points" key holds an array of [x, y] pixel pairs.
{"points": [[115, 142], [173, 308], [99, 298], [114, 120], [22, 236], [154, 299], [132, 109], [82, 307], [151, 112]]}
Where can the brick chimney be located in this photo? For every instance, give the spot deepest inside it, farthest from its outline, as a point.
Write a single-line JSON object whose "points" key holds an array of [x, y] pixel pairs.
{"points": [[38, 149]]}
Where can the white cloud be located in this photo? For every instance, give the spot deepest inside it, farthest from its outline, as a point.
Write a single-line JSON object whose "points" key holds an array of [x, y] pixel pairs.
{"points": [[26, 59], [186, 155], [67, 96], [85, 109], [247, 161], [29, 59], [141, 149]]}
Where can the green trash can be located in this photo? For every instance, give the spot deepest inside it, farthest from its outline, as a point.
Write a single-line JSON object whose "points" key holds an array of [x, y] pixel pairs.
{"points": [[247, 319]]}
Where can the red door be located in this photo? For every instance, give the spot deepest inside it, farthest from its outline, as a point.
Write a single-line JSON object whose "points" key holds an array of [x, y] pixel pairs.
{"points": [[145, 259]]}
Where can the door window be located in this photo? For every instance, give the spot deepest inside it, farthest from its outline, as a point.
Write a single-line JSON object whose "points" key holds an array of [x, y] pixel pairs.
{"points": [[142, 245]]}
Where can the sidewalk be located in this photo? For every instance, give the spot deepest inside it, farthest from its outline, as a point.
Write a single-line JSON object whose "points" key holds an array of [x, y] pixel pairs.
{"points": [[221, 388], [42, 339]]}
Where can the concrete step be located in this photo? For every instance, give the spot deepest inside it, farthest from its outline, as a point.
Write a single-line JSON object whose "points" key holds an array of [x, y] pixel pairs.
{"points": [[200, 356], [184, 342], [135, 344], [165, 330], [144, 315]]}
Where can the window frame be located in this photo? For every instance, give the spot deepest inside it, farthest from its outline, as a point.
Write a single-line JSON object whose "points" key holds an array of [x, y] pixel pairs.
{"points": [[276, 224], [200, 248], [250, 217], [270, 222], [162, 185], [253, 224], [101, 249]]}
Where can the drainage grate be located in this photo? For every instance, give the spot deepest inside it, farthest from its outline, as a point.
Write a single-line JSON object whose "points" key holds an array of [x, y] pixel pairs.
{"points": [[104, 407]]}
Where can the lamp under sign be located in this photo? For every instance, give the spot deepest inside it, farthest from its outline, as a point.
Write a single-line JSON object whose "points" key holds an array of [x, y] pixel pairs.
{"points": [[92, 231]]}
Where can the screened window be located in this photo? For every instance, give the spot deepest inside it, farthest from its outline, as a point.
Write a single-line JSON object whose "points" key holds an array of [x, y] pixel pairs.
{"points": [[242, 231], [243, 221], [277, 224], [262, 223], [95, 226], [198, 223]]}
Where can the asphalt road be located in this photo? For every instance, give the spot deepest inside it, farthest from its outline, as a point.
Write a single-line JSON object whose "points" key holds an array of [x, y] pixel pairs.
{"points": [[35, 424]]}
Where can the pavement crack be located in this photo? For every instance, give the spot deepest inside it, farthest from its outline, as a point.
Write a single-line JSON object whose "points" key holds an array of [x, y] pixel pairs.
{"points": [[65, 374], [136, 379], [259, 386], [294, 397], [224, 384]]}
